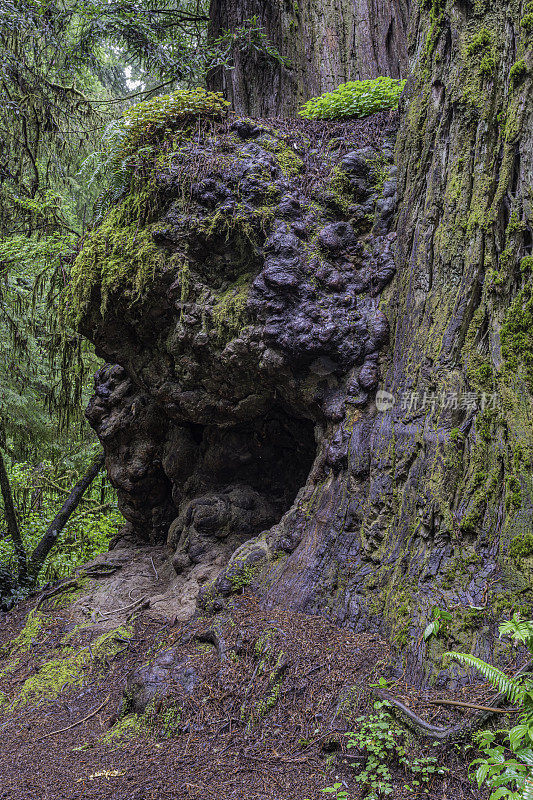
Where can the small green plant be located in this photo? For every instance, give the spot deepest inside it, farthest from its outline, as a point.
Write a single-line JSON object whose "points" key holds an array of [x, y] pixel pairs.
{"points": [[507, 769], [355, 99], [383, 743], [438, 618], [337, 791]]}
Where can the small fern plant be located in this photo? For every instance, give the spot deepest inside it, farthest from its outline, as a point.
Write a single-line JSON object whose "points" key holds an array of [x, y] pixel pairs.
{"points": [[507, 768]]}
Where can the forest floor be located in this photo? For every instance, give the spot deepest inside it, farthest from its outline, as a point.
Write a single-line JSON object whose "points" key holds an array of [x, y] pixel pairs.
{"points": [[274, 695]]}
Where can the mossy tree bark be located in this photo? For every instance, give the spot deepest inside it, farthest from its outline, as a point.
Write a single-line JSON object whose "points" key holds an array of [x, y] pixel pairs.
{"points": [[442, 516], [325, 44]]}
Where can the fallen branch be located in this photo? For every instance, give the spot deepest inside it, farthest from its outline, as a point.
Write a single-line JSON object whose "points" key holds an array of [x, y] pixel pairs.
{"points": [[94, 510], [124, 608], [473, 705], [455, 731], [75, 724], [49, 484]]}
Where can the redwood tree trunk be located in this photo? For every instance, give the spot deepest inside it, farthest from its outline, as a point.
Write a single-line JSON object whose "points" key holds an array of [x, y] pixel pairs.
{"points": [[325, 44], [442, 515], [428, 504]]}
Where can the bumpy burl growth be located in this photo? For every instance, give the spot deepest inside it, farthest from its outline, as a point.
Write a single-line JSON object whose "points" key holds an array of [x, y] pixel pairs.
{"points": [[247, 351], [121, 254]]}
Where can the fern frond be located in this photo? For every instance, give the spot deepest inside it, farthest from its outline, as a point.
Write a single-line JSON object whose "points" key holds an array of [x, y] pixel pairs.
{"points": [[520, 630], [508, 686]]}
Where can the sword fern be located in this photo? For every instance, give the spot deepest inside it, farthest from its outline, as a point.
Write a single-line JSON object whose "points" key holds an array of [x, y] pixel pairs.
{"points": [[508, 777]]}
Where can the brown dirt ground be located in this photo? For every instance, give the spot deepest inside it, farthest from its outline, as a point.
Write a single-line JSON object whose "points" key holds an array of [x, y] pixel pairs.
{"points": [[290, 753]]}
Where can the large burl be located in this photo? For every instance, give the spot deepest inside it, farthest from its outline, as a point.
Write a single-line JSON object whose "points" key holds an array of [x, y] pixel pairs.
{"points": [[235, 293]]}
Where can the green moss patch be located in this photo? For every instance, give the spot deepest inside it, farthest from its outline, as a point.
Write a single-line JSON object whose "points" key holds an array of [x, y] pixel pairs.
{"points": [[69, 668], [147, 123], [229, 313], [120, 254], [521, 546], [517, 336]]}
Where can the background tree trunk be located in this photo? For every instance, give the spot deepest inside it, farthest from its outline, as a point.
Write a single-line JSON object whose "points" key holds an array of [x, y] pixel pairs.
{"points": [[51, 535], [325, 44], [12, 522]]}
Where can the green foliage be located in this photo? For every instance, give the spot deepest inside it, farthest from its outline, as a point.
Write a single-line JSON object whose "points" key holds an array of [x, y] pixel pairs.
{"points": [[337, 791], [44, 375], [438, 618], [509, 777], [355, 99], [507, 768], [496, 677], [38, 497], [383, 743], [147, 123]]}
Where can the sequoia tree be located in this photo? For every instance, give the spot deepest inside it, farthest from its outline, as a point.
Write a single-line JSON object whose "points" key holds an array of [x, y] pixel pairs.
{"points": [[282, 284], [321, 44]]}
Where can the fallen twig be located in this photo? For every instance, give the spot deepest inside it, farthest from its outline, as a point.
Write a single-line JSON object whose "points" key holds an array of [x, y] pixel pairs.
{"points": [[124, 608], [473, 705], [75, 724]]}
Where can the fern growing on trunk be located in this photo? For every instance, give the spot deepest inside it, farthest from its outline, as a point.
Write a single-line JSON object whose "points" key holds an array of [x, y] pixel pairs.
{"points": [[508, 777]]}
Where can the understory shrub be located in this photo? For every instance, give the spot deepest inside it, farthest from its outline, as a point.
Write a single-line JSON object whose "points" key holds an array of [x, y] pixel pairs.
{"points": [[152, 119], [355, 99]]}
